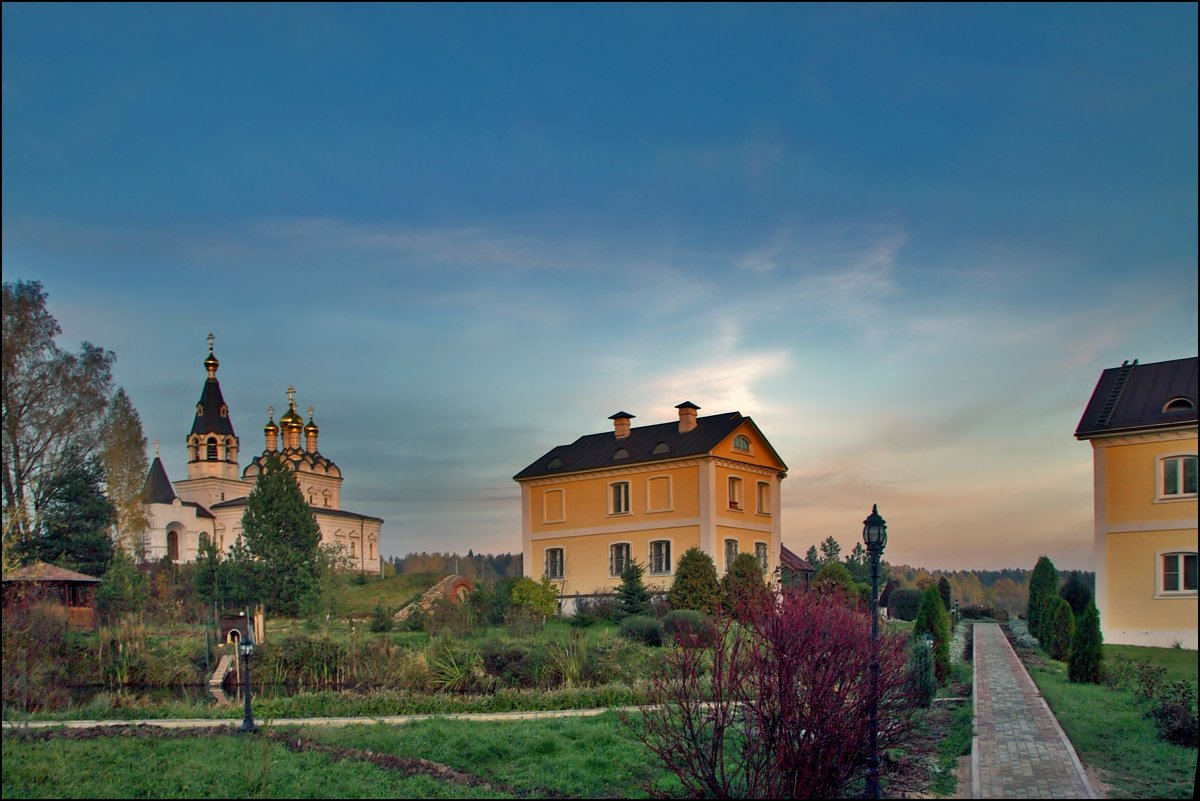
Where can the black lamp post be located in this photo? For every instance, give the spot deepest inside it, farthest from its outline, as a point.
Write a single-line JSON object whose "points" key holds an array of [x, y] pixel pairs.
{"points": [[875, 536], [246, 648]]}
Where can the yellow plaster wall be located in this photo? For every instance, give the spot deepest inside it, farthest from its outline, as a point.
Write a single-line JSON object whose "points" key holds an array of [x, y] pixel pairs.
{"points": [[587, 501], [1132, 581], [760, 453], [1131, 475], [746, 540], [748, 513], [585, 558]]}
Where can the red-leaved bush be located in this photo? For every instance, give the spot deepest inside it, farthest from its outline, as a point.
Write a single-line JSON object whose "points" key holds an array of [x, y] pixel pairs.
{"points": [[779, 705]]}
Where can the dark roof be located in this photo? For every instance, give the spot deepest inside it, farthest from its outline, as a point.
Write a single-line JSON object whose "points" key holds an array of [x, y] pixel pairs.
{"points": [[158, 487], [1132, 398], [324, 510], [595, 451], [200, 510], [40, 571], [793, 562], [208, 412]]}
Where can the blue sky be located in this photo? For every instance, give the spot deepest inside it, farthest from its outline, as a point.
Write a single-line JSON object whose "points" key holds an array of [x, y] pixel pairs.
{"points": [[905, 239]]}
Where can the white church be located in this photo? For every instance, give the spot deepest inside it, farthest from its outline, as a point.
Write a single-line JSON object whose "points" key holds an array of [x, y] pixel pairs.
{"points": [[210, 502]]}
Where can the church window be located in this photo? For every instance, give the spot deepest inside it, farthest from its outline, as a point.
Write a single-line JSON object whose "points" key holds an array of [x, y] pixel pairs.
{"points": [[173, 545], [211, 450], [352, 552]]}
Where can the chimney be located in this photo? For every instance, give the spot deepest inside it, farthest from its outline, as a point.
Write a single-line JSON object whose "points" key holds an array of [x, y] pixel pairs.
{"points": [[621, 423], [687, 416]]}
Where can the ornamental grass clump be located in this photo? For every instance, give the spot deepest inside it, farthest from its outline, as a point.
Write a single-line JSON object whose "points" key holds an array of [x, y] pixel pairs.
{"points": [[643, 629], [778, 706], [688, 628]]}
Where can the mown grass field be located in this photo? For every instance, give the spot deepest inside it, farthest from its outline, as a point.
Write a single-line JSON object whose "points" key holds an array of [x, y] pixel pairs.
{"points": [[1110, 730]]}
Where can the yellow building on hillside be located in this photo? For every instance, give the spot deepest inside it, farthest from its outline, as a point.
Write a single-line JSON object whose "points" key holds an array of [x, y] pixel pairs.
{"points": [[1141, 422], [650, 493]]}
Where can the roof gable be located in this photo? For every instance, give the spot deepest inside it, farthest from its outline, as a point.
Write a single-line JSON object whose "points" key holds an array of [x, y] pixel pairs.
{"points": [[157, 488], [1133, 397]]}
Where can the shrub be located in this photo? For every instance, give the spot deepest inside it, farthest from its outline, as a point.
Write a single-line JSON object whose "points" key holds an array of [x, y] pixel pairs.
{"points": [[976, 612], [491, 601], [381, 620], [1043, 584], [640, 628], [778, 706], [835, 579], [903, 604], [511, 663], [944, 592], [922, 678], [600, 607], [1174, 714], [633, 599], [932, 619], [1076, 593], [695, 585], [1087, 653], [689, 628], [742, 584], [1058, 627], [538, 597]]}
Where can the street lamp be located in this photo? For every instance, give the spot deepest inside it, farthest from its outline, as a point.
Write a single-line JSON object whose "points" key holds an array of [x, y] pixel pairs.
{"points": [[875, 536], [246, 648]]}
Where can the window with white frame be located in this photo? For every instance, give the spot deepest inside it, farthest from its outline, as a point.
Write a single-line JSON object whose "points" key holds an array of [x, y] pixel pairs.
{"points": [[1178, 573], [554, 563], [735, 492], [619, 498], [660, 557], [741, 443], [1178, 474], [762, 555], [731, 552], [618, 558], [764, 498]]}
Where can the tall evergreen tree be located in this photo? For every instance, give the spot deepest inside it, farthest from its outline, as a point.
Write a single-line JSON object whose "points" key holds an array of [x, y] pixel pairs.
{"points": [[124, 456], [812, 557], [282, 535], [1087, 652], [1042, 585], [932, 619], [632, 596], [1076, 593], [743, 585], [75, 519], [695, 585], [944, 592], [831, 551]]}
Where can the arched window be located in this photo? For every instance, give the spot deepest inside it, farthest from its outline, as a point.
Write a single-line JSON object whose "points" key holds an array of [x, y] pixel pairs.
{"points": [[1179, 405], [741, 443], [173, 545], [211, 450], [661, 447], [621, 454]]}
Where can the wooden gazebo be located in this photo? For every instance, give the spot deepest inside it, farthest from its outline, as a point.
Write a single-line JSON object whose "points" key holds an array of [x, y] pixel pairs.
{"points": [[76, 592]]}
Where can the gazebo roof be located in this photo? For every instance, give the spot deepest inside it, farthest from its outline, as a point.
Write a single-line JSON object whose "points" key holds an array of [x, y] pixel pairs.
{"points": [[40, 571]]}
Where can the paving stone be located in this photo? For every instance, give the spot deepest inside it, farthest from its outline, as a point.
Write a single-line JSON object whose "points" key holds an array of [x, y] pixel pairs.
{"points": [[1022, 751]]}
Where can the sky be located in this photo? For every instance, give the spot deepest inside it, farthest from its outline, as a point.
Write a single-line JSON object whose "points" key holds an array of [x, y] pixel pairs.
{"points": [[905, 239]]}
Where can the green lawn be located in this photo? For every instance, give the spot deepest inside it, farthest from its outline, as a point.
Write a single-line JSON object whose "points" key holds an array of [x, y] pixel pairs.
{"points": [[224, 766], [1180, 663], [1111, 733]]}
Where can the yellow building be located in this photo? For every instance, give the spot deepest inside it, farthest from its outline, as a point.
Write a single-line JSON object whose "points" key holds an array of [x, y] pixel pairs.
{"points": [[650, 493], [1141, 421]]}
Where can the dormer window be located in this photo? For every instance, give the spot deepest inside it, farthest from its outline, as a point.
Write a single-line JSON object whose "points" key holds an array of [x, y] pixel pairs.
{"points": [[554, 464], [741, 443], [224, 410], [621, 454], [661, 447], [1179, 405]]}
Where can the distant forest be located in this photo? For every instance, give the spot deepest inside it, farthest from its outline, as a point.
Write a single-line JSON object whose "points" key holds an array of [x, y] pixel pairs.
{"points": [[475, 566]]}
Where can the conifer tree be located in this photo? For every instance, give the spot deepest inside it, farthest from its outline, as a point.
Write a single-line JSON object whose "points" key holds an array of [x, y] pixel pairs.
{"points": [[1076, 593], [944, 592], [1087, 652], [282, 535], [695, 585], [932, 619], [75, 519], [1058, 626], [632, 596], [1042, 585], [742, 584]]}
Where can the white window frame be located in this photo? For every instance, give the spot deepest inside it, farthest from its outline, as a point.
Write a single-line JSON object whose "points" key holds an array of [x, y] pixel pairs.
{"points": [[612, 498], [612, 546], [562, 506], [1160, 494], [764, 561], [725, 551], [1160, 568], [670, 566], [739, 449], [733, 488], [670, 507], [562, 563]]}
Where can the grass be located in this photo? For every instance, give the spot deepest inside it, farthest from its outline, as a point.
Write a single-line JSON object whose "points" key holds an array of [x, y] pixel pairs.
{"points": [[221, 766], [1111, 733], [1180, 663], [392, 592]]}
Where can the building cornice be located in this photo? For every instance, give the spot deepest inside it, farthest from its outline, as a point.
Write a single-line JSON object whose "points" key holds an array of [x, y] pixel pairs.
{"points": [[613, 472], [1174, 434]]}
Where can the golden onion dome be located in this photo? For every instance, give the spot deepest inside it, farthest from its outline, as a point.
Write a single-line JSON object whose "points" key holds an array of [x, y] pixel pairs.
{"points": [[291, 419], [271, 427], [311, 428]]}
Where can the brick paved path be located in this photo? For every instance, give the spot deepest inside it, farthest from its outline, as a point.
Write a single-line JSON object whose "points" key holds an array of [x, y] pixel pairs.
{"points": [[1019, 749]]}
